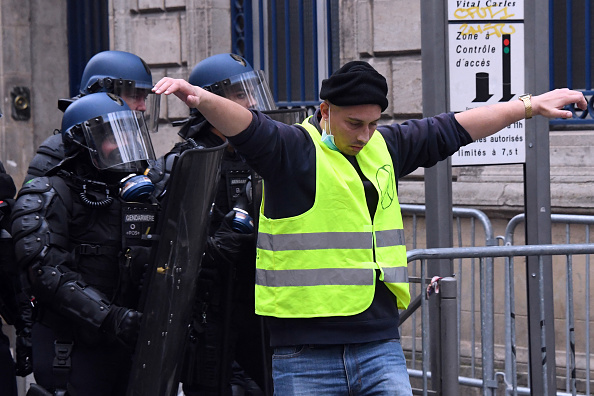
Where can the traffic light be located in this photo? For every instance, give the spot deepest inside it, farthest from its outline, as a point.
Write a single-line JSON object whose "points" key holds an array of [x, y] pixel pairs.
{"points": [[506, 44], [506, 65]]}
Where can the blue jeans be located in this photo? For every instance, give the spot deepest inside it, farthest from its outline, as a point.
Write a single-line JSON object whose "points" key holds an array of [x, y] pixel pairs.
{"points": [[373, 368]]}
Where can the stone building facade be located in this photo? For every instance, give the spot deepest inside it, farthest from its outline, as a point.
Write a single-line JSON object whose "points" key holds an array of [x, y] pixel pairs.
{"points": [[173, 35]]}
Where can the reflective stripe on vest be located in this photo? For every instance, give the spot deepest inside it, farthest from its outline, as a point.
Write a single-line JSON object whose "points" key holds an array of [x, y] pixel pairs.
{"points": [[326, 276], [324, 261], [330, 240]]}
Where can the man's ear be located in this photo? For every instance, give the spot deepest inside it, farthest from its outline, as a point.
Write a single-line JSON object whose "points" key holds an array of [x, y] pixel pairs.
{"points": [[324, 108]]}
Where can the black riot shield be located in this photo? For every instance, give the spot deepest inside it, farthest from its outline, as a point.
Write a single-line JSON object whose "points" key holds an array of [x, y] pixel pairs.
{"points": [[168, 296]]}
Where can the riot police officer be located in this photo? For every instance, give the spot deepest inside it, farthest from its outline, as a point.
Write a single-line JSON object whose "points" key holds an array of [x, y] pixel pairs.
{"points": [[118, 72], [73, 240], [226, 352]]}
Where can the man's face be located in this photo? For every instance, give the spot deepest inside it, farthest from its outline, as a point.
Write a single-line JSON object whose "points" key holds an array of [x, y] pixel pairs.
{"points": [[352, 126], [109, 148], [136, 99], [242, 96]]}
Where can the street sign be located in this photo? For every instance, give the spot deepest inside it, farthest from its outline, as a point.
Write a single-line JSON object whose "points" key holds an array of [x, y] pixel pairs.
{"points": [[486, 66]]}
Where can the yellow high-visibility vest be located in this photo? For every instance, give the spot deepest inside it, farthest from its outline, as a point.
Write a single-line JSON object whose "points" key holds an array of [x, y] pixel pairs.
{"points": [[321, 263]]}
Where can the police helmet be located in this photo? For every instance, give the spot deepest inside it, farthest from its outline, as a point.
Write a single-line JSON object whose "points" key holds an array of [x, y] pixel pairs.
{"points": [[125, 75], [110, 71], [231, 76], [115, 136]]}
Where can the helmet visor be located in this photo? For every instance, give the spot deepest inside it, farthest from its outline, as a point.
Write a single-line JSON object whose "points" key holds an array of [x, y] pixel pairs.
{"points": [[141, 99], [119, 141], [152, 112], [249, 89]]}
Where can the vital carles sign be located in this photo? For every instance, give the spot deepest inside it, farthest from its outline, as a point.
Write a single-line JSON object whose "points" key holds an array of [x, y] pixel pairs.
{"points": [[486, 66]]}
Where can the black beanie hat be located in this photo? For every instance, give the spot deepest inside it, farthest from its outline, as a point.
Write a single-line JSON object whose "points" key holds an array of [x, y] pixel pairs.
{"points": [[355, 83]]}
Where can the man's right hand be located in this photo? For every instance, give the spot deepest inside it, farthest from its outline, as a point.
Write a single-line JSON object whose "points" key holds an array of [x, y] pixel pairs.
{"points": [[230, 244], [124, 324]]}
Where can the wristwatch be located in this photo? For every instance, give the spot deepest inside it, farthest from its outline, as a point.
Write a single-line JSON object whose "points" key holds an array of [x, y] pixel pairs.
{"points": [[527, 105]]}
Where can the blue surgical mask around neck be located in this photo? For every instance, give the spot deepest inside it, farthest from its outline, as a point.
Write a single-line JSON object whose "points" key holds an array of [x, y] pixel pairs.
{"points": [[328, 138]]}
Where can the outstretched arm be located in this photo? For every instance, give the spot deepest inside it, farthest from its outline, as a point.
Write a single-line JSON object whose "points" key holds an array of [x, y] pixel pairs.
{"points": [[228, 117], [487, 120]]}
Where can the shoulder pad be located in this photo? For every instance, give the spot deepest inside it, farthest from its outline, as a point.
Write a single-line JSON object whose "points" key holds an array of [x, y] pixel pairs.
{"points": [[27, 209], [36, 185], [30, 229], [38, 193], [31, 197], [28, 203]]}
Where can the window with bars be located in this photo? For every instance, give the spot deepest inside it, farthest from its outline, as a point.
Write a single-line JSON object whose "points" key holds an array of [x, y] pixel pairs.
{"points": [[88, 34], [294, 42], [570, 53]]}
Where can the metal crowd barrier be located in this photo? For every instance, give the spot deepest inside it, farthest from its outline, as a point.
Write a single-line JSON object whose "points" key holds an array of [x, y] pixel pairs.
{"points": [[474, 218], [491, 382], [570, 325], [470, 284]]}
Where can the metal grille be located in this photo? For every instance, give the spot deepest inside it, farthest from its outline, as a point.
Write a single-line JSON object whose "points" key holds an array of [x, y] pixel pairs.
{"points": [[88, 34], [570, 53], [292, 41]]}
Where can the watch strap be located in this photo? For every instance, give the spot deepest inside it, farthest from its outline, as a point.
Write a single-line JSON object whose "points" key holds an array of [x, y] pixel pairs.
{"points": [[526, 99]]}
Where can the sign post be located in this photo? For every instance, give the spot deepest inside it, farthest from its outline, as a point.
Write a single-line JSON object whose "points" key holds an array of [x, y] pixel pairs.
{"points": [[438, 179]]}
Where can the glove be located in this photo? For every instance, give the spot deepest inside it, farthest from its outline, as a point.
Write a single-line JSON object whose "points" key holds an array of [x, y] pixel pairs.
{"points": [[138, 265], [124, 324], [24, 353], [229, 244], [23, 325]]}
